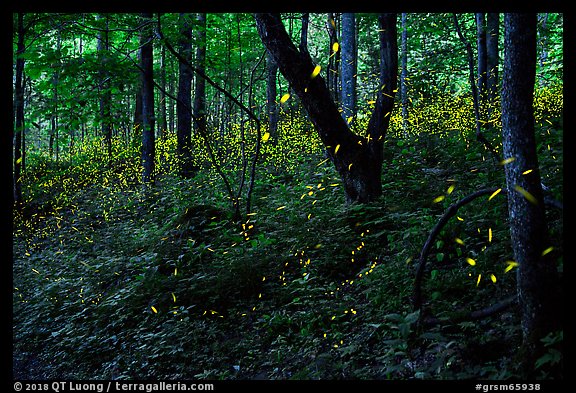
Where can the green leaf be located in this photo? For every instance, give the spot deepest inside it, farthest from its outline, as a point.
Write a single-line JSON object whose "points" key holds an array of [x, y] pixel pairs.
{"points": [[412, 317]]}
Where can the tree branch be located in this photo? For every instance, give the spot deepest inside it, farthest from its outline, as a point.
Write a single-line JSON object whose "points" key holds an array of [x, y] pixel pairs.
{"points": [[461, 316], [449, 213]]}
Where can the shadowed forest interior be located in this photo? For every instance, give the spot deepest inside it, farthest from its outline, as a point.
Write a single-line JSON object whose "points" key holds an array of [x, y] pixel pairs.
{"points": [[237, 196]]}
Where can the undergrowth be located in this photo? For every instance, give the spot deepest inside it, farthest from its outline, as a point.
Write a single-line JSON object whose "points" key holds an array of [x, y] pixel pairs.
{"points": [[114, 279]]}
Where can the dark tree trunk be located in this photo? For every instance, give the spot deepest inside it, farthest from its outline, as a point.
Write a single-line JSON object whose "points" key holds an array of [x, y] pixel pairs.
{"points": [[171, 107], [104, 87], [358, 160], [334, 59], [537, 279], [304, 33], [136, 135], [404, 75], [52, 134], [184, 103], [53, 142], [348, 65], [199, 109], [147, 78], [163, 118], [492, 56], [482, 83], [492, 38], [482, 56], [19, 109]]}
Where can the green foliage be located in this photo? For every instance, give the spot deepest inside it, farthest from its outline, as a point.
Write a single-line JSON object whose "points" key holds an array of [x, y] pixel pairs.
{"points": [[147, 277], [549, 363]]}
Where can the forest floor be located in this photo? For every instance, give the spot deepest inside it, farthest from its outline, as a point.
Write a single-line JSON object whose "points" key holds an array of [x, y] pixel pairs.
{"points": [[113, 280]]}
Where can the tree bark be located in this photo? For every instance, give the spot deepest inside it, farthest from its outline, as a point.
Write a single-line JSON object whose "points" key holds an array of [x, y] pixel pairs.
{"points": [[482, 56], [171, 106], [404, 75], [537, 276], [148, 120], [53, 142], [348, 65], [492, 57], [104, 86], [184, 103], [358, 160], [304, 33], [199, 108], [163, 118], [334, 59]]}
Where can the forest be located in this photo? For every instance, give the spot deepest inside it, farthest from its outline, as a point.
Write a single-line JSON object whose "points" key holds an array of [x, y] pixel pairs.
{"points": [[287, 196]]}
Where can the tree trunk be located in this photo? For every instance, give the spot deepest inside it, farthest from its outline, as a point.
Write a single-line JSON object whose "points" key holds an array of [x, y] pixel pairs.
{"points": [[53, 142], [358, 160], [184, 103], [482, 56], [199, 108], [334, 59], [148, 120], [537, 279], [348, 65], [404, 75], [163, 118], [492, 57], [492, 38], [304, 33], [171, 106], [104, 87]]}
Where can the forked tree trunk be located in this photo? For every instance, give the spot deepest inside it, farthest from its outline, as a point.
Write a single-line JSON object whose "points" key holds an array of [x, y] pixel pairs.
{"points": [[357, 159]]}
